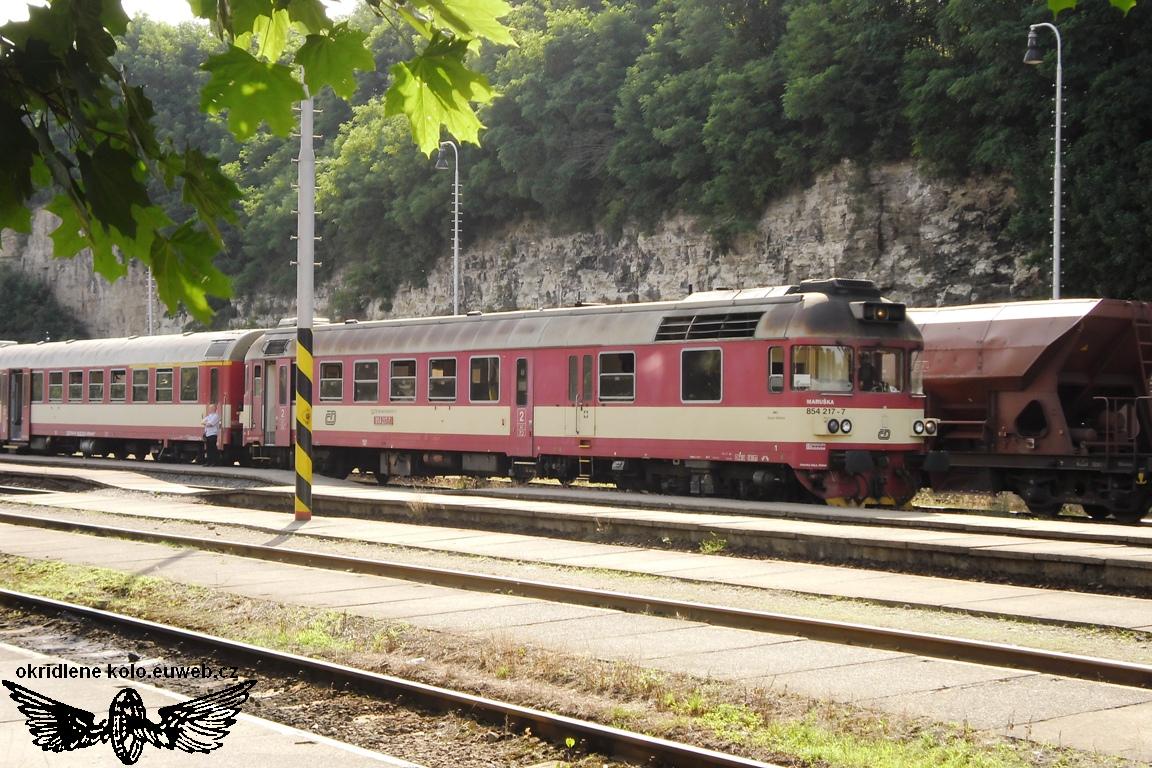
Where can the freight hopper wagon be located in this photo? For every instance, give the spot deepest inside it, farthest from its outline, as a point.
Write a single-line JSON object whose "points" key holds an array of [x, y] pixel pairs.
{"points": [[1047, 399], [790, 392], [135, 396]]}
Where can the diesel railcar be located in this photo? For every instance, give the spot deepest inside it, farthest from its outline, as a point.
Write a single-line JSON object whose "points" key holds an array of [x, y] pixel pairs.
{"points": [[136, 396], [1047, 399], [790, 392]]}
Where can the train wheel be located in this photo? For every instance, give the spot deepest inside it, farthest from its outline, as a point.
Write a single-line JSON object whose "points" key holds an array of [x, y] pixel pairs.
{"points": [[1130, 515], [1047, 508], [1097, 511]]}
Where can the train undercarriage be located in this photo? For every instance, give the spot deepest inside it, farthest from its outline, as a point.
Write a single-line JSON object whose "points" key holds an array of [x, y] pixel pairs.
{"points": [[855, 478], [1121, 491]]}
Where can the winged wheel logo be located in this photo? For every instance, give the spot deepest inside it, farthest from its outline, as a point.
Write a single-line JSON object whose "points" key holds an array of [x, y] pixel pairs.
{"points": [[196, 725]]}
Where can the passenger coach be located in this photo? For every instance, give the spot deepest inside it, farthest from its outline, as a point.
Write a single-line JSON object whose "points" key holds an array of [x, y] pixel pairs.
{"points": [[785, 392], [129, 396]]}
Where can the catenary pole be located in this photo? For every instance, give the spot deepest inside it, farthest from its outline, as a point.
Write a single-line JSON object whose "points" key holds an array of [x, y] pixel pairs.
{"points": [[305, 257]]}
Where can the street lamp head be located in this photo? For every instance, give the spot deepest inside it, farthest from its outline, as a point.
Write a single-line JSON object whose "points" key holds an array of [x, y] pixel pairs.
{"points": [[441, 159], [1033, 55]]}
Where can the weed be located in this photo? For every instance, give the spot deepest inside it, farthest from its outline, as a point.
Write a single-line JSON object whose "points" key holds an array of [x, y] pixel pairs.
{"points": [[713, 545]]}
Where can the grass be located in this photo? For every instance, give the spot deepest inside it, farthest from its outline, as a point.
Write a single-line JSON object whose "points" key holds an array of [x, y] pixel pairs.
{"points": [[769, 725]]}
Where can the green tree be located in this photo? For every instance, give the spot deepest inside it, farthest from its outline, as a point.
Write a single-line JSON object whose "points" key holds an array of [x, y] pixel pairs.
{"points": [[381, 208], [554, 129], [31, 312], [842, 61], [75, 123]]}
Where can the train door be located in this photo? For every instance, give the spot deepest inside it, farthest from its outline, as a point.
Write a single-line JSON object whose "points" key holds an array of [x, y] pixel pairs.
{"points": [[580, 420], [3, 406], [269, 400], [522, 417], [256, 404], [18, 411], [284, 396]]}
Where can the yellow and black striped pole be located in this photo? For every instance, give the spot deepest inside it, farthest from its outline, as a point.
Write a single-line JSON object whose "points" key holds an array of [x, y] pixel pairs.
{"points": [[305, 257], [303, 423]]}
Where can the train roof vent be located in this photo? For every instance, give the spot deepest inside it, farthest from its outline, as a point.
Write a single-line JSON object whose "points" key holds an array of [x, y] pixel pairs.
{"points": [[217, 349], [276, 346], [733, 325]]}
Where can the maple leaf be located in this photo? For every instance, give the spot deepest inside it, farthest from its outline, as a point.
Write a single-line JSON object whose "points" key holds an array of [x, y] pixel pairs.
{"points": [[333, 59], [251, 91], [435, 89]]}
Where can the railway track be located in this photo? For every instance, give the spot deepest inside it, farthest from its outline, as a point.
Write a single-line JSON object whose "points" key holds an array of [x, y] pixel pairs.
{"points": [[614, 742], [233, 491], [919, 643]]}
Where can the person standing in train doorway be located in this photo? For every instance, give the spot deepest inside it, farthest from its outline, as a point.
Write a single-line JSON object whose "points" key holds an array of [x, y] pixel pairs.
{"points": [[211, 424]]}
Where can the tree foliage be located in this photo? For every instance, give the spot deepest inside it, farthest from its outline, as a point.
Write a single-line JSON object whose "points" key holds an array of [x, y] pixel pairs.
{"points": [[628, 112], [31, 312], [621, 112], [74, 123]]}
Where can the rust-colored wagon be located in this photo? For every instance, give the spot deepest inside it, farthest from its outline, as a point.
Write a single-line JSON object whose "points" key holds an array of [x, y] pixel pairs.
{"points": [[1048, 399]]}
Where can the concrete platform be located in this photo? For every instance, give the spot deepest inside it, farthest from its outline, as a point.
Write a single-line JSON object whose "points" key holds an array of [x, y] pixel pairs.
{"points": [[252, 741], [880, 586], [984, 697]]}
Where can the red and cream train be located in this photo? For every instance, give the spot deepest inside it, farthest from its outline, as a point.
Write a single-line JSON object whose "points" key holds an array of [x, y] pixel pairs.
{"points": [[790, 392]]}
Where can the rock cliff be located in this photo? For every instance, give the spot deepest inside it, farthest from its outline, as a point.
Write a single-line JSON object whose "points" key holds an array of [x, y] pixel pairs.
{"points": [[922, 241]]}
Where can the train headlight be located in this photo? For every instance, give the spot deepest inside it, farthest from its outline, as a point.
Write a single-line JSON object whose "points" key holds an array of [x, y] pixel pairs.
{"points": [[845, 426], [918, 427], [833, 426], [930, 427]]}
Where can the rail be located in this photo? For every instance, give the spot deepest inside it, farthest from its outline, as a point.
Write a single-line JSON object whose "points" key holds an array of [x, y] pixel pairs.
{"points": [[648, 750], [847, 633]]}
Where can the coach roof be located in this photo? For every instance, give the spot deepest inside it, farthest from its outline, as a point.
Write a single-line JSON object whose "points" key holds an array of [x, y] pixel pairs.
{"points": [[763, 313], [131, 350]]}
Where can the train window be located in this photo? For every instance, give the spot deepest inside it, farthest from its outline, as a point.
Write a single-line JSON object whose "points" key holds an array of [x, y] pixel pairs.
{"points": [[776, 369], [617, 376], [701, 377], [573, 379], [276, 347], [285, 386], [586, 385], [118, 385], [521, 381], [442, 379], [823, 368], [331, 381], [484, 379], [917, 379], [257, 370], [217, 349], [881, 370], [214, 385], [189, 385], [163, 385], [37, 386], [366, 382], [75, 386], [140, 385], [95, 386], [55, 386], [403, 380]]}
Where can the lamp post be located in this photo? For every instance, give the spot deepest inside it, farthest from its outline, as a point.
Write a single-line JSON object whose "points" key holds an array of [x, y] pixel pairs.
{"points": [[1033, 57], [442, 165]]}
